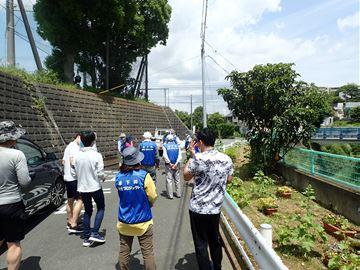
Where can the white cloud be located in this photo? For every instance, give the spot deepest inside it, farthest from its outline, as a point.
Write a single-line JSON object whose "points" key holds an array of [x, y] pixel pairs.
{"points": [[351, 21]]}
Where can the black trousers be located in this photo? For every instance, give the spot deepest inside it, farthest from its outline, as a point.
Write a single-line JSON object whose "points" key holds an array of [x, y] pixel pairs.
{"points": [[205, 232]]}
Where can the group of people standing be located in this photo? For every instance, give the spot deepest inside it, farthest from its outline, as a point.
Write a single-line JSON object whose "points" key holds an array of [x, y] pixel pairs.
{"points": [[136, 184]]}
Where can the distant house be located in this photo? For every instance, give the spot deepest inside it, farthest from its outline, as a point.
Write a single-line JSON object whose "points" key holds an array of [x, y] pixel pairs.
{"points": [[341, 108], [235, 120]]}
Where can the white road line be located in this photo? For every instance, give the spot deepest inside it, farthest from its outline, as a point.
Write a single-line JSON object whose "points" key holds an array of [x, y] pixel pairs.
{"points": [[110, 180]]}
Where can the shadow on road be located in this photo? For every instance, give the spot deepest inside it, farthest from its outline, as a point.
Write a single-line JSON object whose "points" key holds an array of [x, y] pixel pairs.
{"points": [[31, 223], [134, 263], [32, 263], [187, 262]]}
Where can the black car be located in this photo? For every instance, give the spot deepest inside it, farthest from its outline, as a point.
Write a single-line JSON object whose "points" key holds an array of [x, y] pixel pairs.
{"points": [[47, 185]]}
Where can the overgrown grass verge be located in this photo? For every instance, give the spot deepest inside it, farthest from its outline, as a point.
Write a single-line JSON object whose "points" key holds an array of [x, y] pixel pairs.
{"points": [[298, 234]]}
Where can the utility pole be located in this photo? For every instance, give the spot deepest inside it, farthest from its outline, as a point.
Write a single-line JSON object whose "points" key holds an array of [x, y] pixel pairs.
{"points": [[10, 33], [203, 65], [146, 79], [30, 36], [191, 114], [107, 60]]}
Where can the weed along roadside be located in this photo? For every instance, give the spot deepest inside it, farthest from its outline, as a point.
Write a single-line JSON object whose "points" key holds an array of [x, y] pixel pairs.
{"points": [[300, 225]]}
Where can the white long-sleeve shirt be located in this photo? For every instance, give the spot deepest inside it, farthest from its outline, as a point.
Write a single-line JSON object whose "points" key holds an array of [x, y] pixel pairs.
{"points": [[88, 169]]}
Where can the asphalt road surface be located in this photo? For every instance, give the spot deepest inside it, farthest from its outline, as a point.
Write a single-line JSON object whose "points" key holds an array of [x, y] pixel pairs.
{"points": [[48, 245]]}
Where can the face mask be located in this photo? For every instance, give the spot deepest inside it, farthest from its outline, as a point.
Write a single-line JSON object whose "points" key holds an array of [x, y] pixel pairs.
{"points": [[81, 144]]}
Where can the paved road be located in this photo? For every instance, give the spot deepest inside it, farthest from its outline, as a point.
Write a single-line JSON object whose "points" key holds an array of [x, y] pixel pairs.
{"points": [[48, 245]]}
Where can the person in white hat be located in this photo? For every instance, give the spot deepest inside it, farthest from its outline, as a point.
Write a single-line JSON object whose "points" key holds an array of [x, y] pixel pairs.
{"points": [[151, 156], [14, 176], [172, 157]]}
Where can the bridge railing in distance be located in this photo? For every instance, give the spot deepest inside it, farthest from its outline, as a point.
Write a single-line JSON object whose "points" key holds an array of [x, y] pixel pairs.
{"points": [[336, 168], [337, 134], [263, 253]]}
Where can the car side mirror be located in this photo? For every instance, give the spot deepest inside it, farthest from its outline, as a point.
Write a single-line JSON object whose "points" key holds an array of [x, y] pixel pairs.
{"points": [[51, 156]]}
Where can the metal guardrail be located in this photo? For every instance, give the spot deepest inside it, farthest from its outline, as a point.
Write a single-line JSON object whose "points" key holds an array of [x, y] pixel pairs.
{"points": [[342, 169], [227, 146], [337, 134], [263, 253]]}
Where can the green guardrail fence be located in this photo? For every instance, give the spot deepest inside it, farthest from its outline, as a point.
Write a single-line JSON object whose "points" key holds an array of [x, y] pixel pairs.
{"points": [[342, 169]]}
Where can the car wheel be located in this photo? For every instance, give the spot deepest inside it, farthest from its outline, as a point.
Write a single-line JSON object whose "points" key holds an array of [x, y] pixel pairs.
{"points": [[57, 194]]}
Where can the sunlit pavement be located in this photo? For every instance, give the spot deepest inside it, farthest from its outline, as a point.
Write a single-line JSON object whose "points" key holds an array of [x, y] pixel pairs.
{"points": [[48, 245]]}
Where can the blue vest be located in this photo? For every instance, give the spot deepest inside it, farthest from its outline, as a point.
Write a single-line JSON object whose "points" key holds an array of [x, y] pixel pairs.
{"points": [[149, 151], [172, 150], [134, 206]]}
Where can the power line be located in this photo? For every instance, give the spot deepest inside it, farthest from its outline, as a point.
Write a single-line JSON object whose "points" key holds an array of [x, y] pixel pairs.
{"points": [[227, 72], [25, 39], [217, 52], [185, 60]]}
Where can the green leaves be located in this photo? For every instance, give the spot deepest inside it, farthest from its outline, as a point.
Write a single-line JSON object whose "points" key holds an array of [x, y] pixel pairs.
{"points": [[279, 110], [300, 235]]}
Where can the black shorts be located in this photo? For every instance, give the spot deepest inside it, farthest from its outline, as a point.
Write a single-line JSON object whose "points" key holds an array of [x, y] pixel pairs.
{"points": [[12, 222], [71, 190]]}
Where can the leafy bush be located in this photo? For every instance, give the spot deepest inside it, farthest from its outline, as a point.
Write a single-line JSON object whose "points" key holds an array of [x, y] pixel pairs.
{"points": [[342, 257], [283, 189], [309, 192], [238, 193], [337, 221], [261, 178], [265, 203], [226, 130], [355, 114], [299, 236], [232, 153]]}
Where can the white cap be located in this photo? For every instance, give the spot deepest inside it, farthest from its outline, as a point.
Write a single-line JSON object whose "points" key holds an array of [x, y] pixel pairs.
{"points": [[170, 137], [147, 135]]}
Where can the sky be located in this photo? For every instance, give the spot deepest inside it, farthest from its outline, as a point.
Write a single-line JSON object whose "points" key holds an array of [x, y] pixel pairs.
{"points": [[320, 37]]}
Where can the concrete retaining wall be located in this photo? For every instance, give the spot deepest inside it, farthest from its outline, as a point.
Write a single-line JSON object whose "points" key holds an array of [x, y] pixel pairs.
{"points": [[331, 195], [67, 111]]}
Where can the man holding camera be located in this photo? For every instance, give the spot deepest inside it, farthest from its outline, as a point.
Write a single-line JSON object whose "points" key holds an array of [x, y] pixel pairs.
{"points": [[212, 170]]}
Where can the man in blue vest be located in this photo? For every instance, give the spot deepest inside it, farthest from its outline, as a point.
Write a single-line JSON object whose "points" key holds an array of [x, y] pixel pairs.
{"points": [[172, 157], [151, 157]]}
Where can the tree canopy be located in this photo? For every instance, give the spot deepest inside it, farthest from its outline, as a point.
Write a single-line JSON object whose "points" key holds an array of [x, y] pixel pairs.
{"points": [[351, 89], [279, 110], [80, 31]]}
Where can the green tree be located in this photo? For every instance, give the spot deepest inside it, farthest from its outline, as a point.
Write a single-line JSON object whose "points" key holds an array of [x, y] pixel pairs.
{"points": [[214, 120], [279, 110], [355, 114], [79, 31], [198, 118], [351, 89], [184, 117], [226, 130]]}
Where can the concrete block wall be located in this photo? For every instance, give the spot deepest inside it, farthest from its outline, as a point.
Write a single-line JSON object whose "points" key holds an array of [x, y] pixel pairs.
{"points": [[68, 111]]}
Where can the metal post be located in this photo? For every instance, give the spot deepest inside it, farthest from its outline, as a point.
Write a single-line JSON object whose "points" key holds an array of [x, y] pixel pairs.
{"points": [[312, 162], [146, 79], [30, 36], [203, 67], [165, 95], [191, 114], [107, 60], [10, 33]]}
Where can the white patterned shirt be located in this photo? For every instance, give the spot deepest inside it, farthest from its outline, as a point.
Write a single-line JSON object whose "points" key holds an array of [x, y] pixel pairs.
{"points": [[210, 170]]}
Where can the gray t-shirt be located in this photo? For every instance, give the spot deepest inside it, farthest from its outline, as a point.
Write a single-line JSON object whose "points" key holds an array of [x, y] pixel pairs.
{"points": [[211, 170], [14, 174]]}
